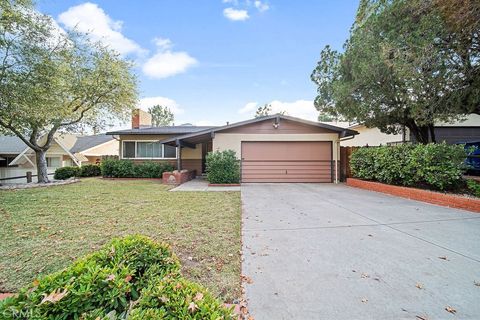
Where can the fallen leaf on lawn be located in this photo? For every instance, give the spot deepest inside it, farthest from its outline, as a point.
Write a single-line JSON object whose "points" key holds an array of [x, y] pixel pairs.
{"points": [[110, 277], [178, 286], [443, 258], [36, 282], [230, 255], [198, 296], [192, 307], [190, 258], [164, 299], [364, 300], [419, 285], [450, 309], [247, 279], [128, 278], [54, 296]]}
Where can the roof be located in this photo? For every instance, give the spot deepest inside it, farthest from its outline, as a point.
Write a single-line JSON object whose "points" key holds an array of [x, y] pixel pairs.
{"points": [[11, 145], [86, 142], [342, 131], [161, 130]]}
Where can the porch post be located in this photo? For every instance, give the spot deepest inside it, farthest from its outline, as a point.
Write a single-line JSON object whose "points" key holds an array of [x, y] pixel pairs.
{"points": [[179, 155]]}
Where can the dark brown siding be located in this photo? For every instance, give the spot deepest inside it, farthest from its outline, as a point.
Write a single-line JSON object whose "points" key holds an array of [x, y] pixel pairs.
{"points": [[454, 135], [285, 127]]}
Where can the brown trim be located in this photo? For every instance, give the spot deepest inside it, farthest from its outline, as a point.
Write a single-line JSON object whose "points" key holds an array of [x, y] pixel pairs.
{"points": [[438, 198]]}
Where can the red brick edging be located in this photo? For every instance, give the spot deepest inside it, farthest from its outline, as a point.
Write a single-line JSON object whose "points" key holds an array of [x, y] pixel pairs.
{"points": [[442, 199], [224, 184]]}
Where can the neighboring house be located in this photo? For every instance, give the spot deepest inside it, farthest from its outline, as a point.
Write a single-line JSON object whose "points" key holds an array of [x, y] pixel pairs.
{"points": [[457, 132], [66, 150], [275, 148]]}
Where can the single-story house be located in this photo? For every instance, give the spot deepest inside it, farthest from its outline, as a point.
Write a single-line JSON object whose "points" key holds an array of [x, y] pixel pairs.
{"points": [[276, 148], [466, 130], [66, 150]]}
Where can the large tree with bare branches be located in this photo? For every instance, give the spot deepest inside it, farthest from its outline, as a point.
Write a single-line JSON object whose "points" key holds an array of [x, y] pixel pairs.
{"points": [[52, 81]]}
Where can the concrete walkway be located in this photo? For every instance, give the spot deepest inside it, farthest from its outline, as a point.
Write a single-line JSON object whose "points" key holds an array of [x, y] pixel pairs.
{"points": [[201, 184], [322, 251]]}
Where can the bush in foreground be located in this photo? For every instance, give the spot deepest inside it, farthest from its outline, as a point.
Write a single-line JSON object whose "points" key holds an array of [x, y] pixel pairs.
{"points": [[65, 173], [133, 277], [223, 167], [112, 168], [437, 166]]}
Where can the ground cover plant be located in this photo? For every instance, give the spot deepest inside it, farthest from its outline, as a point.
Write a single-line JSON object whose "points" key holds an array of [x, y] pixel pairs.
{"points": [[129, 278]]}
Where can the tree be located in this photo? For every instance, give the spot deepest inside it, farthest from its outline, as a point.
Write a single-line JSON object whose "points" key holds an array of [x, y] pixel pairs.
{"points": [[52, 81], [263, 111], [266, 110], [398, 69], [161, 116]]}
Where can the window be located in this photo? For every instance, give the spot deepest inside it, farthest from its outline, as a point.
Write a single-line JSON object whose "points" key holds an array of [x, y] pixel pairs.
{"points": [[128, 149], [53, 162], [147, 149]]}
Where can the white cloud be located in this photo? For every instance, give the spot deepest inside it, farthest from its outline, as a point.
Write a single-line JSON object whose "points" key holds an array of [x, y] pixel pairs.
{"points": [[234, 2], [165, 62], [90, 18], [303, 109], [235, 15], [248, 108], [149, 102], [261, 6]]}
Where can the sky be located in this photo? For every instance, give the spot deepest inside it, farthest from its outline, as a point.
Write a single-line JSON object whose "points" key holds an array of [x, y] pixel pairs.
{"points": [[214, 61]]}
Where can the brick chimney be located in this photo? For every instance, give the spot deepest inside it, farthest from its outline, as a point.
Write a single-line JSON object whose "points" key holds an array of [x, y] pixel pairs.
{"points": [[141, 119]]}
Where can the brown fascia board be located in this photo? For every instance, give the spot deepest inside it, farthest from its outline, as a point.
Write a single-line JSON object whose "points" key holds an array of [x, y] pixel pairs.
{"points": [[342, 131]]}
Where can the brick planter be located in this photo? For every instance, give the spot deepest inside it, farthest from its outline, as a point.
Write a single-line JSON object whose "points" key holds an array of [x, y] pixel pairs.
{"points": [[178, 177], [442, 199]]}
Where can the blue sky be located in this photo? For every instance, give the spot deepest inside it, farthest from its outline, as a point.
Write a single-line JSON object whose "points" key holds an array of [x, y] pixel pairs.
{"points": [[215, 61]]}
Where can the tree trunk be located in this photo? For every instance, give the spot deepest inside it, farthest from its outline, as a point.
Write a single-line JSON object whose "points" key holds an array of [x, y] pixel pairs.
{"points": [[420, 133], [42, 173]]}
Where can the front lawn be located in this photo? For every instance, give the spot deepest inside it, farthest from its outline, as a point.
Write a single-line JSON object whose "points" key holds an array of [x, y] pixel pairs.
{"points": [[42, 230]]}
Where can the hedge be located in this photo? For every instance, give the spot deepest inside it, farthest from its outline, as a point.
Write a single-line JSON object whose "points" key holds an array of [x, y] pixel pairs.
{"points": [[222, 167], [112, 168], [436, 166], [64, 173], [132, 277], [90, 170]]}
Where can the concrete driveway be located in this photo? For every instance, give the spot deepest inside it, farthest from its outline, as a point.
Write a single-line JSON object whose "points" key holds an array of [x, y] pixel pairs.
{"points": [[322, 251]]}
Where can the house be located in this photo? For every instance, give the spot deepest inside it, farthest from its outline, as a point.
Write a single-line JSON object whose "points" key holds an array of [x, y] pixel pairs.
{"points": [[466, 130], [274, 148], [66, 150]]}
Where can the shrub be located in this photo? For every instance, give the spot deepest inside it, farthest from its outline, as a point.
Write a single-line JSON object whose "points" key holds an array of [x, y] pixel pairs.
{"points": [[438, 166], [223, 167], [474, 187], [133, 278], [112, 168], [90, 170], [152, 169], [64, 173]]}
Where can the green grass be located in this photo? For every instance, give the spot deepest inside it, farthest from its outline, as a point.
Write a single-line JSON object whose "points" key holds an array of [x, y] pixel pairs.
{"points": [[44, 229]]}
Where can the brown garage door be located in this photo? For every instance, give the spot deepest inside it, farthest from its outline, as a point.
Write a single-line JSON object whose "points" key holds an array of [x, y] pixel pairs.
{"points": [[299, 161]]}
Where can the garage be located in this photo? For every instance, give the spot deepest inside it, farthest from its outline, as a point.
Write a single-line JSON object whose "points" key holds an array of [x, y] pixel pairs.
{"points": [[287, 161]]}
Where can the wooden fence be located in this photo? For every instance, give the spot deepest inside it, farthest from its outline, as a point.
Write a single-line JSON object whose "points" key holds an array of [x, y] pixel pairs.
{"points": [[345, 153]]}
